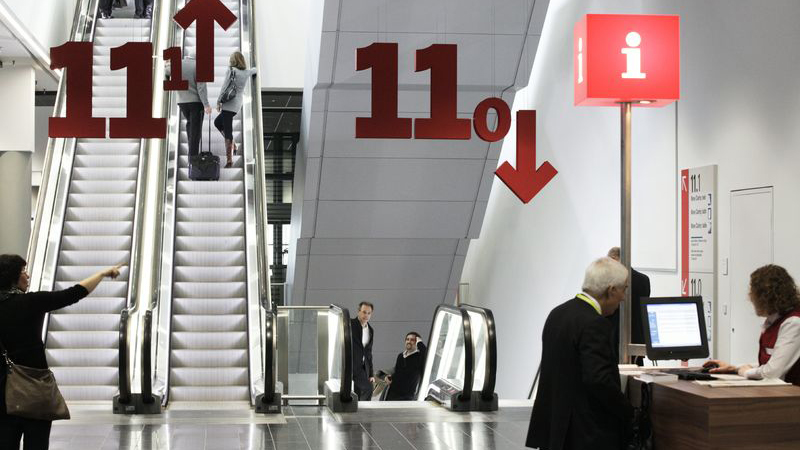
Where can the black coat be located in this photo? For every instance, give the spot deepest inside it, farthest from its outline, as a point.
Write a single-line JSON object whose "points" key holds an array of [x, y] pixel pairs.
{"points": [[579, 404], [407, 374], [640, 288], [361, 353], [21, 321]]}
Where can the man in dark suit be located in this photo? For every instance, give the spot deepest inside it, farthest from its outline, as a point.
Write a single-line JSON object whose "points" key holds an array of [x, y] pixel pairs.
{"points": [[363, 336], [640, 288], [579, 404]]}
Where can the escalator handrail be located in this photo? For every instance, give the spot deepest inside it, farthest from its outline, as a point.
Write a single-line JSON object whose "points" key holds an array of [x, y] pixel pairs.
{"points": [[175, 35], [258, 140], [270, 350], [469, 375], [248, 33], [83, 24], [147, 366], [122, 363], [346, 385], [490, 378], [137, 250]]}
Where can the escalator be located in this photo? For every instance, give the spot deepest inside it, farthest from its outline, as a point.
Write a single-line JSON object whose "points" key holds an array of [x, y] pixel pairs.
{"points": [[461, 366], [86, 220], [208, 322]]}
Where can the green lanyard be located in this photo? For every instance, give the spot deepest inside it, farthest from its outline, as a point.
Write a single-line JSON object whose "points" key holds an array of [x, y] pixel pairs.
{"points": [[590, 302]]}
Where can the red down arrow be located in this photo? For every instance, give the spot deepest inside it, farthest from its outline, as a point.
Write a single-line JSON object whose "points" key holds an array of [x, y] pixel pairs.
{"points": [[526, 180]]}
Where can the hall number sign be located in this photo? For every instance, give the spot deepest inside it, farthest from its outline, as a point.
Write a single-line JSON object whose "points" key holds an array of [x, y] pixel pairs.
{"points": [[526, 180], [76, 60]]}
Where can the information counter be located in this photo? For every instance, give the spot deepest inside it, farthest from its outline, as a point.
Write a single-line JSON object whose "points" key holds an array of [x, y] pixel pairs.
{"points": [[686, 415]]}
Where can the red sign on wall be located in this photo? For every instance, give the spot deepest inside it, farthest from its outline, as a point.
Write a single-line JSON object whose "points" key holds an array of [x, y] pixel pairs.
{"points": [[626, 58]]}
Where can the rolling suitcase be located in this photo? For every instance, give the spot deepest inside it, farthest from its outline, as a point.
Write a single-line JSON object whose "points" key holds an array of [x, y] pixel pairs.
{"points": [[205, 165]]}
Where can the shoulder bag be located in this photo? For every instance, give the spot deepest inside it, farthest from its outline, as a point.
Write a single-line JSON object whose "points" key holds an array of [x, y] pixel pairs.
{"points": [[229, 93], [32, 393]]}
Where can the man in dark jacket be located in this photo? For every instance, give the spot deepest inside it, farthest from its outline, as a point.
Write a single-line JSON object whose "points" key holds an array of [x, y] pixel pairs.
{"points": [[640, 288], [363, 335], [408, 369], [579, 404]]}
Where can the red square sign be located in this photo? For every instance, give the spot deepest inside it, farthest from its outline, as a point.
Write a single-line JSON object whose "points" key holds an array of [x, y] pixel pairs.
{"points": [[627, 58]]}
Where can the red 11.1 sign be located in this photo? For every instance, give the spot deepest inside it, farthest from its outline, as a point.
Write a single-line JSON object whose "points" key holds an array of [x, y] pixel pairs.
{"points": [[526, 180], [76, 60]]}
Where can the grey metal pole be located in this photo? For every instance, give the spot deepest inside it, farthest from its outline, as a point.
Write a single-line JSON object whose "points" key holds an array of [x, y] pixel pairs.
{"points": [[625, 229]]}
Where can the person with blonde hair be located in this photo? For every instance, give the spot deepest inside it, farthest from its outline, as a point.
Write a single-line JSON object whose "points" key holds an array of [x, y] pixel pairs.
{"points": [[229, 101]]}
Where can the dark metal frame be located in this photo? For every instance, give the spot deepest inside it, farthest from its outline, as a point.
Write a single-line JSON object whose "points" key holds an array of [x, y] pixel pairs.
{"points": [[489, 382], [469, 356], [345, 388]]}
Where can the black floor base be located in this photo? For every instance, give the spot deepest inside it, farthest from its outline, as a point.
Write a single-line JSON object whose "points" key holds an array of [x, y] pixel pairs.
{"points": [[335, 404], [136, 405], [268, 407]]}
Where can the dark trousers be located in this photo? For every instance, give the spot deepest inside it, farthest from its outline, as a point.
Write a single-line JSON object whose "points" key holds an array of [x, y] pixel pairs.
{"points": [[224, 123], [193, 112], [105, 6], [36, 432], [144, 8], [361, 383]]}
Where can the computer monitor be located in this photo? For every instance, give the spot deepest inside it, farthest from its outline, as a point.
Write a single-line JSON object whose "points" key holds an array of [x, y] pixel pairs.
{"points": [[674, 328]]}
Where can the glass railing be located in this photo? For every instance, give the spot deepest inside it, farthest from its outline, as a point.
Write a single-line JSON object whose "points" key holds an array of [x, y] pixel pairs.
{"points": [[340, 360], [462, 359], [449, 366]]}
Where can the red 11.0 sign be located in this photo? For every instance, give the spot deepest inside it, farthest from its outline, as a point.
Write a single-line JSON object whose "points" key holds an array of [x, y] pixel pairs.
{"points": [[526, 180], [76, 60]]}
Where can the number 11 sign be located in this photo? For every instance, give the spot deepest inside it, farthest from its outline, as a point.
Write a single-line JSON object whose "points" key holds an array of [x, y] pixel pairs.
{"points": [[526, 180]]}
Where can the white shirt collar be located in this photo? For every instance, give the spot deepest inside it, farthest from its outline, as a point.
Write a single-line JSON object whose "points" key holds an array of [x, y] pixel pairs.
{"points": [[406, 353]]}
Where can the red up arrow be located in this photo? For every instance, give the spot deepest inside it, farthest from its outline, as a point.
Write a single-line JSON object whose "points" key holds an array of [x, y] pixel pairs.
{"points": [[526, 180], [205, 13]]}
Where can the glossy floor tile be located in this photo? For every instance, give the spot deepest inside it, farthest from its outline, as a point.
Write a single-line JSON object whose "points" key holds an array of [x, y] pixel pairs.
{"points": [[401, 426]]}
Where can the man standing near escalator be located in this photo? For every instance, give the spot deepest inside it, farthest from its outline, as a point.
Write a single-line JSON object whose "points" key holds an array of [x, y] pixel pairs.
{"points": [[363, 335]]}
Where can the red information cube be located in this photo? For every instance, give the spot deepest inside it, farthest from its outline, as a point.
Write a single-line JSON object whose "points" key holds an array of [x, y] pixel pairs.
{"points": [[627, 58]]}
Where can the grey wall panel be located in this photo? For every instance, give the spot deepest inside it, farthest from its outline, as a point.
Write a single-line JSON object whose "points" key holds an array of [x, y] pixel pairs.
{"points": [[390, 304], [378, 272], [339, 142], [400, 179], [340, 219], [383, 246]]}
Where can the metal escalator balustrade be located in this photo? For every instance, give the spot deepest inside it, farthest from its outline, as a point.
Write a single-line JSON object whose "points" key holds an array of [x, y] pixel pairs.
{"points": [[461, 365], [209, 344], [98, 221]]}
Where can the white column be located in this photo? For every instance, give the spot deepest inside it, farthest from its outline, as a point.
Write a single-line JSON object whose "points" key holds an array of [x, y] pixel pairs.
{"points": [[17, 122]]}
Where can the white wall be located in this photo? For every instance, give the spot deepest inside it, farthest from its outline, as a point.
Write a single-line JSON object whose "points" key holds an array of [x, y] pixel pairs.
{"points": [[17, 89], [282, 30], [49, 21], [739, 109]]}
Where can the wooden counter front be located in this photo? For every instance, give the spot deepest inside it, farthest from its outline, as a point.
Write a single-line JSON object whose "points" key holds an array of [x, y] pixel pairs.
{"points": [[686, 415]]}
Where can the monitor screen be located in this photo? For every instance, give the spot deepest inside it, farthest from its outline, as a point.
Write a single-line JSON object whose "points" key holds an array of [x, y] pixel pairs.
{"points": [[674, 328]]}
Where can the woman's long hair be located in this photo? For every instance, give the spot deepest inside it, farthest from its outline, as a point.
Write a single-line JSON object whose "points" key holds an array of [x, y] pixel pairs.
{"points": [[237, 61]]}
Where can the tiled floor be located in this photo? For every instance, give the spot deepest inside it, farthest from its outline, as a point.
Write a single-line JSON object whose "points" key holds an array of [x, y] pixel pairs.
{"points": [[300, 427]]}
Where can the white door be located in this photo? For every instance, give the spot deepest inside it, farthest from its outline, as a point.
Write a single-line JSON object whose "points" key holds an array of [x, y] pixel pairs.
{"points": [[751, 248]]}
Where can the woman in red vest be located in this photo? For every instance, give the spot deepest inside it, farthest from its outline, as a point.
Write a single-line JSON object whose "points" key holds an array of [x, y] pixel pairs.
{"points": [[774, 296]]}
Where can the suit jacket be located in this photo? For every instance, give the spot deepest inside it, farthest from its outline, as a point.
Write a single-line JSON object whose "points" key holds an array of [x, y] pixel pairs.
{"points": [[579, 403], [197, 92], [640, 288], [361, 353]]}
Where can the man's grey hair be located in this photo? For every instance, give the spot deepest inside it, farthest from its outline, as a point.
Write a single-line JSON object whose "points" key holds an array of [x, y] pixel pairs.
{"points": [[602, 274], [614, 253]]}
